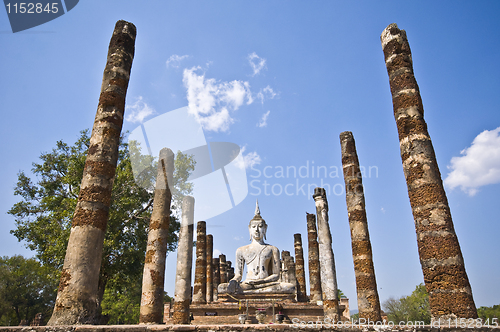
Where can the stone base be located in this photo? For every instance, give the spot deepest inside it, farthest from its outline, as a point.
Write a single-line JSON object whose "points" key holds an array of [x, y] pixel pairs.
{"points": [[221, 313], [256, 297]]}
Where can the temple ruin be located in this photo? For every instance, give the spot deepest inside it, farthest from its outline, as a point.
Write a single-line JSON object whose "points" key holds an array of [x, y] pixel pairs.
{"points": [[264, 285]]}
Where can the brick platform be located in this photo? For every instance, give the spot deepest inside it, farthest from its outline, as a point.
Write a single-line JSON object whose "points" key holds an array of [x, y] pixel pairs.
{"points": [[227, 312]]}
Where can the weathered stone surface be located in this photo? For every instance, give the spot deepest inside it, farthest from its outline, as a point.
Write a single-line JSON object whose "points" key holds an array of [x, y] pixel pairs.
{"points": [[210, 272], [314, 265], [216, 268], [182, 295], [200, 272], [151, 311], [327, 262], [263, 265], [288, 273], [222, 269], [77, 299], [366, 284], [425, 188], [300, 268]]}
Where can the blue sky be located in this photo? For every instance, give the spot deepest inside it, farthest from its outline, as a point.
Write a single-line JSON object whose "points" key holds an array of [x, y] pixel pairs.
{"points": [[282, 80]]}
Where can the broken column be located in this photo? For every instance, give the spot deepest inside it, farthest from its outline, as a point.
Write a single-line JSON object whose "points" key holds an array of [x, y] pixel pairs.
{"points": [[200, 272], [222, 269], [314, 267], [210, 273], [327, 262], [77, 298], [182, 295], [300, 268], [229, 270], [153, 278], [216, 268], [288, 268], [446, 280], [366, 285]]}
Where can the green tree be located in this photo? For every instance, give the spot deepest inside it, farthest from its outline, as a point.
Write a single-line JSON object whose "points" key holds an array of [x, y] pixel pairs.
{"points": [[489, 312], [414, 307], [44, 215], [26, 288]]}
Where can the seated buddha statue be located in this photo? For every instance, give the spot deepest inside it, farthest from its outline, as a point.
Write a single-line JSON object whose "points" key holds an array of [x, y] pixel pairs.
{"points": [[263, 265]]}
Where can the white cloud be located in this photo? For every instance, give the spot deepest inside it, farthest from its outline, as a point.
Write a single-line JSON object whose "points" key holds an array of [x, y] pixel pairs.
{"points": [[175, 60], [248, 160], [257, 63], [263, 120], [211, 101], [479, 164], [266, 93], [138, 111]]}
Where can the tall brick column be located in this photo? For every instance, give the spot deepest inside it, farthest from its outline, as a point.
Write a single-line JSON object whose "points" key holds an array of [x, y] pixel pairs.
{"points": [[314, 267], [200, 272], [366, 284], [216, 268], [210, 272], [77, 299], [153, 279], [300, 268], [327, 262], [450, 294], [182, 295]]}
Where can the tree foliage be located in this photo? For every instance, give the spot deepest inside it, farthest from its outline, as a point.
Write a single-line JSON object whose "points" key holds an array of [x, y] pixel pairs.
{"points": [[44, 214], [489, 312], [26, 288], [414, 307]]}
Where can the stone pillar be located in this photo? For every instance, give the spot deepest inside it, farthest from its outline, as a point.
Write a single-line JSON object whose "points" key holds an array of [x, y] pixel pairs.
{"points": [[153, 278], [200, 272], [366, 285], [230, 273], [284, 266], [222, 269], [182, 295], [314, 267], [327, 262], [446, 280], [210, 272], [216, 268], [77, 298], [300, 268], [288, 268], [229, 270]]}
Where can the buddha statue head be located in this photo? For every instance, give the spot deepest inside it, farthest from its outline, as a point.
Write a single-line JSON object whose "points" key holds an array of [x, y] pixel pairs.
{"points": [[257, 227]]}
